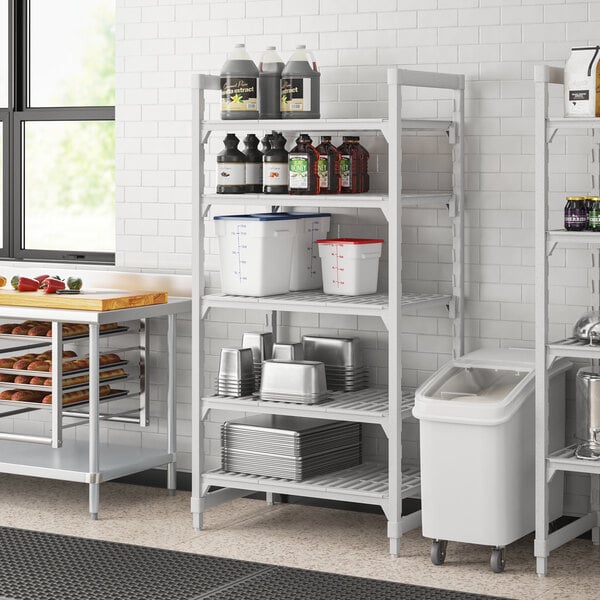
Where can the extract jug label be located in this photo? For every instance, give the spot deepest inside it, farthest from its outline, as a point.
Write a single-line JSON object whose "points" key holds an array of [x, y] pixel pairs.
{"points": [[323, 171], [298, 164], [275, 173], [296, 94], [346, 171], [231, 173], [238, 94], [253, 173]]}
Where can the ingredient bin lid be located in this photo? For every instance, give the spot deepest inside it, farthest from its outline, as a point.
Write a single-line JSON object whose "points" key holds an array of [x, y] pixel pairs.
{"points": [[486, 387], [351, 241]]}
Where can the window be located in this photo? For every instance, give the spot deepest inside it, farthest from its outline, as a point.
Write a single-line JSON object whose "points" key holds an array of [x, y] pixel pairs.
{"points": [[57, 130]]}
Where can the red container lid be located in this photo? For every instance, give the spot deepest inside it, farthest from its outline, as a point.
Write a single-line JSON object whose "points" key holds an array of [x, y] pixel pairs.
{"points": [[349, 241]]}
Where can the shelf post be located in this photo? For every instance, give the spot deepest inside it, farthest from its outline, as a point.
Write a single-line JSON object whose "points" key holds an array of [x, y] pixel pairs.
{"points": [[541, 321], [458, 224], [198, 463], [144, 396], [395, 294], [57, 350]]}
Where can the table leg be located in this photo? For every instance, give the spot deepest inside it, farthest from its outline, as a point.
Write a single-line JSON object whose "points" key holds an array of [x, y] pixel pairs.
{"points": [[94, 427], [171, 406]]}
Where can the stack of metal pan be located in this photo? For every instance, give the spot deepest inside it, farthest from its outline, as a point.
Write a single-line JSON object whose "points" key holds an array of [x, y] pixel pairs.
{"points": [[236, 373], [344, 369], [299, 381], [261, 345], [289, 447]]}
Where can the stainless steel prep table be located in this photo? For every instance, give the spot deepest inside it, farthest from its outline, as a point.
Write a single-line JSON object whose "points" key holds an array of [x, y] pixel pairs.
{"points": [[23, 454]]}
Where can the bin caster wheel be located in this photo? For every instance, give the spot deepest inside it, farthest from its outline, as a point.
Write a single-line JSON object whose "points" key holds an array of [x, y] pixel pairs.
{"points": [[438, 551], [497, 560]]}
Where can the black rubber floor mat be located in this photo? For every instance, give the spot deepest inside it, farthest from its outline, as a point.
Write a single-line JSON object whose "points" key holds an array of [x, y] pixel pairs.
{"points": [[298, 584], [45, 566]]}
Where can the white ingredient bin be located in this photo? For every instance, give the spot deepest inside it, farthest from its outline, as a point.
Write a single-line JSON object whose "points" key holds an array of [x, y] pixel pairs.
{"points": [[350, 265], [306, 271], [476, 421], [255, 252]]}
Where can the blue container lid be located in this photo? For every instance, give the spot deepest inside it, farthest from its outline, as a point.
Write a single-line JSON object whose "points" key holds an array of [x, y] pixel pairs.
{"points": [[257, 217], [278, 216]]}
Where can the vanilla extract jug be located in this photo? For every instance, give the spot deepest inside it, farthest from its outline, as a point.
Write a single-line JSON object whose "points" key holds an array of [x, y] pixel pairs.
{"points": [[275, 167], [239, 89], [303, 162], [269, 84], [254, 164], [300, 87], [231, 167]]}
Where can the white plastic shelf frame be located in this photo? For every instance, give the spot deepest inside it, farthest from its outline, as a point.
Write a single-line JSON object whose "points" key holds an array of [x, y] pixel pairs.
{"points": [[367, 483]]}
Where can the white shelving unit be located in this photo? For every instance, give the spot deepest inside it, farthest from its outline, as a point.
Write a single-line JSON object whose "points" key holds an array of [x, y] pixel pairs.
{"points": [[368, 483], [547, 465]]}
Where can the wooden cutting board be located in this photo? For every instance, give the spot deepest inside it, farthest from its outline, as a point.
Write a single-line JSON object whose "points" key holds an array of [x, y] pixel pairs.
{"points": [[96, 300]]}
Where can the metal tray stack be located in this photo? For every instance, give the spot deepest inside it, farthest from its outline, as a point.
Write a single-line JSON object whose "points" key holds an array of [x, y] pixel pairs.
{"points": [[343, 361], [261, 345], [236, 376], [292, 448]]}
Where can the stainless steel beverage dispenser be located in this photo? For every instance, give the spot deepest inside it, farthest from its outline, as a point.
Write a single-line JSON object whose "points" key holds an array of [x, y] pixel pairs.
{"points": [[587, 414]]}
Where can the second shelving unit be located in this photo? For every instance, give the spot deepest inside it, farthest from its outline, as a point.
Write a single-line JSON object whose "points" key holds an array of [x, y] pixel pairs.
{"points": [[384, 485]]}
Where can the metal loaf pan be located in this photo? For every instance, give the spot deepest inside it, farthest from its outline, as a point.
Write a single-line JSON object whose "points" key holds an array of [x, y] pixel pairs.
{"points": [[295, 377], [334, 351], [288, 351], [236, 363], [261, 345]]}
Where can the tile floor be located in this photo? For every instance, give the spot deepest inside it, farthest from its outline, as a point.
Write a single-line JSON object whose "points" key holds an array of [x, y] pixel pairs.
{"points": [[292, 535]]}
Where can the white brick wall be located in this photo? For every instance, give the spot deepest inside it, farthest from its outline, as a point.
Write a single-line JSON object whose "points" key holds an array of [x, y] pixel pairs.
{"points": [[494, 42]]}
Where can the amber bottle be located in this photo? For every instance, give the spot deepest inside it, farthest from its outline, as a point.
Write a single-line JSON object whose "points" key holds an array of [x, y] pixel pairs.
{"points": [[350, 165], [329, 167], [363, 161], [304, 163]]}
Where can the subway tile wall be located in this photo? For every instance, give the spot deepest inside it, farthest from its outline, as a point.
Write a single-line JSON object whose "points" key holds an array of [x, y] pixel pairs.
{"points": [[495, 43]]}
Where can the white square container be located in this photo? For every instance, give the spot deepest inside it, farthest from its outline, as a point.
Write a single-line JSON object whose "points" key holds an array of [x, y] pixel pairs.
{"points": [[255, 252], [306, 265], [350, 265], [476, 421]]}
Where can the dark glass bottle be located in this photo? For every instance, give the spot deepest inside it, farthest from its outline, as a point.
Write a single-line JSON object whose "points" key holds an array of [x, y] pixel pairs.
{"points": [[588, 203], [231, 167], [363, 161], [266, 143], [303, 161], [594, 214], [329, 167], [349, 165], [253, 164], [275, 167], [575, 214]]}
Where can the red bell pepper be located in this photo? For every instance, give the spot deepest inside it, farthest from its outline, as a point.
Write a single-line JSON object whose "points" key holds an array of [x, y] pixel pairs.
{"points": [[27, 284], [51, 285], [41, 278]]}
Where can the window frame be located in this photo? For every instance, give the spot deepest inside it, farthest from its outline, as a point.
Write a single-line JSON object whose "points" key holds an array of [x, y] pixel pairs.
{"points": [[16, 116]]}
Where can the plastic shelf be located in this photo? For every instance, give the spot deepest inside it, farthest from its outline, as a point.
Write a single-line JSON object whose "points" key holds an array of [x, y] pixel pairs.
{"points": [[365, 484], [328, 125], [564, 460], [560, 236], [573, 123], [318, 302], [364, 406], [370, 200]]}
